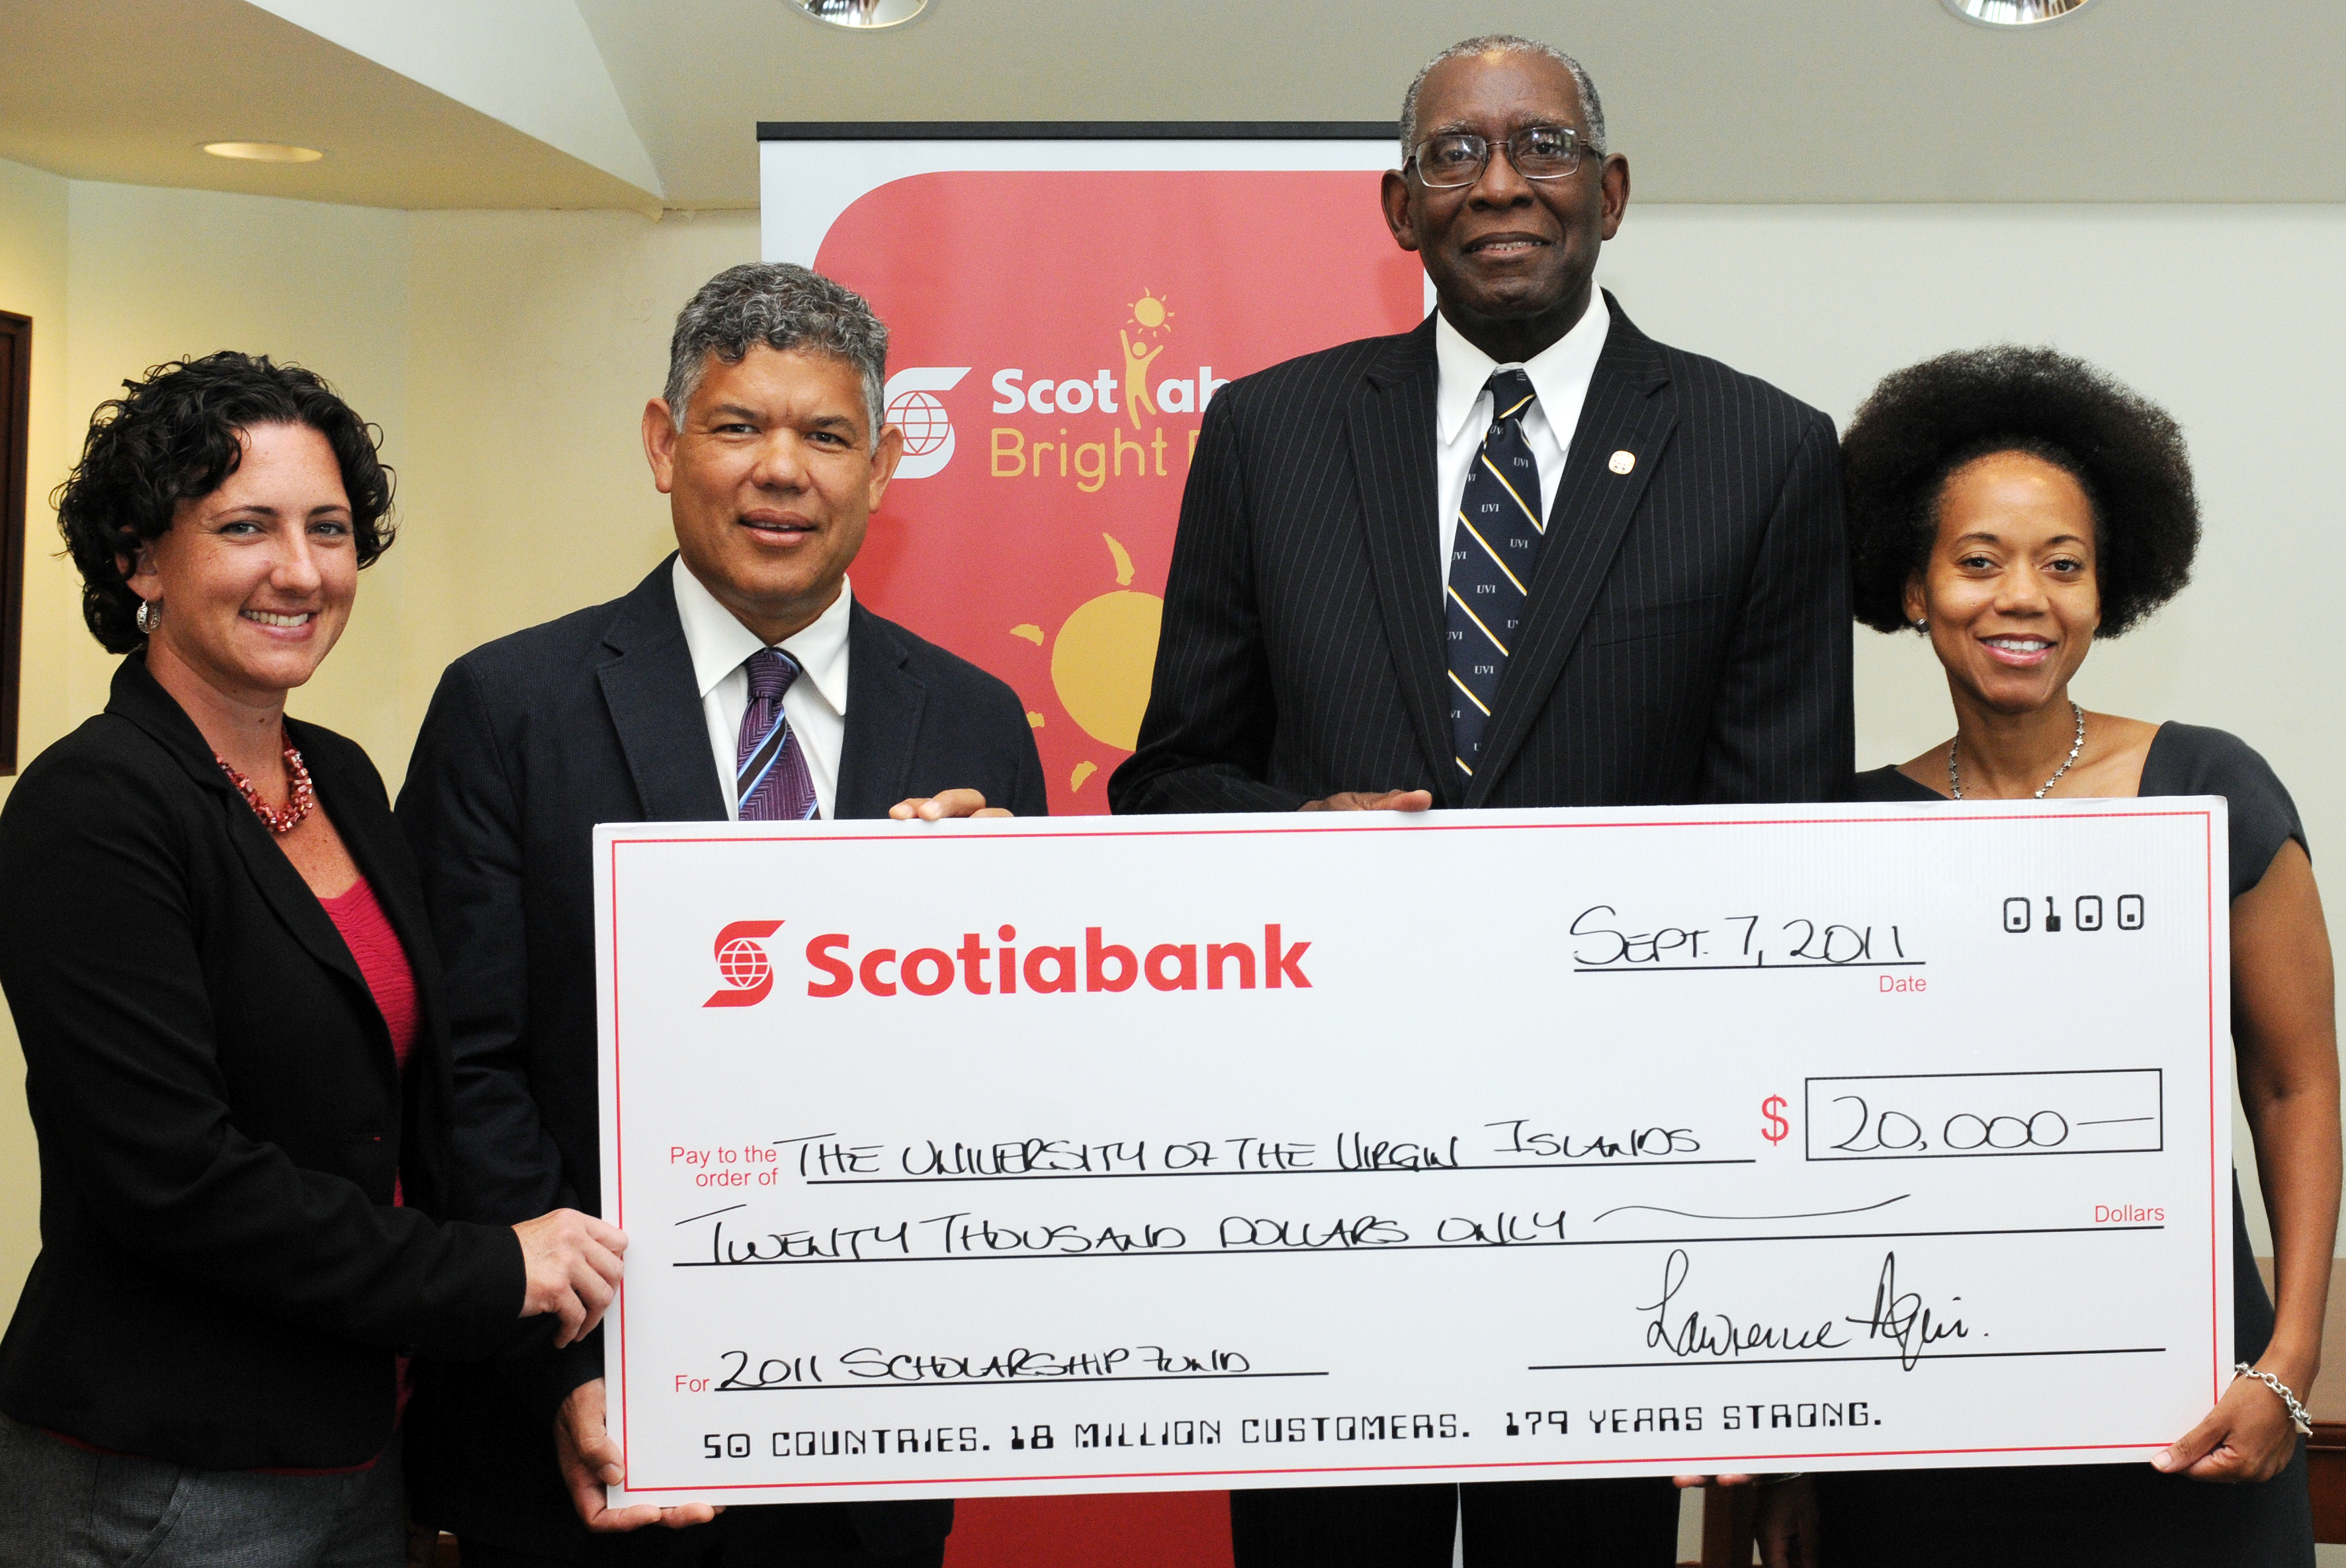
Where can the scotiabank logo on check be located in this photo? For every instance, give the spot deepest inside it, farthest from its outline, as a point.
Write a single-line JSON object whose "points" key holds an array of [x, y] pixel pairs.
{"points": [[1006, 968], [747, 972]]}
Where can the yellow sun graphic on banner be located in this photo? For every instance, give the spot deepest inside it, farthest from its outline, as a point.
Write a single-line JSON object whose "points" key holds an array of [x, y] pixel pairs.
{"points": [[1150, 312], [1101, 660]]}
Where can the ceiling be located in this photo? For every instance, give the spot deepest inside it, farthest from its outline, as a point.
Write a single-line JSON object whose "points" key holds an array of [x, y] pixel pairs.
{"points": [[1713, 100], [129, 90]]}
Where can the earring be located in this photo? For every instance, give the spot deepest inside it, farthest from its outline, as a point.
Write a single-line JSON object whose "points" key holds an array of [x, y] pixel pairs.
{"points": [[1922, 626], [147, 617]]}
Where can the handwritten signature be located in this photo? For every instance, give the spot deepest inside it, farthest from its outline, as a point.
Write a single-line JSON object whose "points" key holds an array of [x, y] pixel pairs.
{"points": [[1902, 1318], [1719, 1333]]}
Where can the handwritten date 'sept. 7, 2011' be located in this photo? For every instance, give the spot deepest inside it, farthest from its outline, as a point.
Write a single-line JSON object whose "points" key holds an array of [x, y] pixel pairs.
{"points": [[1607, 941]]}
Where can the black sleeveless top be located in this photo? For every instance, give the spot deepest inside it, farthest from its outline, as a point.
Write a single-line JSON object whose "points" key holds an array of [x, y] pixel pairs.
{"points": [[2185, 759], [2104, 1516]]}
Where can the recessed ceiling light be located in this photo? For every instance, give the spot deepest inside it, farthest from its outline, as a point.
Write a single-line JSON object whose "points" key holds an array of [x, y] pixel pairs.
{"points": [[2014, 12], [263, 151], [862, 13]]}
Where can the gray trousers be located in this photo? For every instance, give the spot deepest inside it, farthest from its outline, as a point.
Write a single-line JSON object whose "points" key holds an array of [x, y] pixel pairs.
{"points": [[65, 1507]]}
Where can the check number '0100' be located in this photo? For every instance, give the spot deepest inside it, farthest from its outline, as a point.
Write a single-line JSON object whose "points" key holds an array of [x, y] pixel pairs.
{"points": [[2087, 912]]}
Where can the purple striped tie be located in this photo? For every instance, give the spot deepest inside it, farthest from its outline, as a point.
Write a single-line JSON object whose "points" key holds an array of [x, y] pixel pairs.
{"points": [[770, 776]]}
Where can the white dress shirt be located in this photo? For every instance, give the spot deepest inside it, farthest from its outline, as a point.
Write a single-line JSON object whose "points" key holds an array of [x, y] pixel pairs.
{"points": [[815, 704], [1462, 408]]}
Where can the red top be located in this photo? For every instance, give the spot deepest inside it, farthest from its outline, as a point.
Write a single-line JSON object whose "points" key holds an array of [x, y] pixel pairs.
{"points": [[382, 962], [367, 929]]}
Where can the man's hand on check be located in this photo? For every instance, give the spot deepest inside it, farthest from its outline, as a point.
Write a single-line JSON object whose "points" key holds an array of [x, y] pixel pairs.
{"points": [[591, 1462], [2247, 1436], [945, 803], [1374, 800], [571, 1265]]}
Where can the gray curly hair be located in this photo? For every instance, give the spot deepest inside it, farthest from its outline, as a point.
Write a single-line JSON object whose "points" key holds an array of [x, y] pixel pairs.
{"points": [[786, 308], [1592, 109]]}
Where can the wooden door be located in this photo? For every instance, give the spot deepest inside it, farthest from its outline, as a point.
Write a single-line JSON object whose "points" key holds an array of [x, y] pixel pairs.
{"points": [[16, 396]]}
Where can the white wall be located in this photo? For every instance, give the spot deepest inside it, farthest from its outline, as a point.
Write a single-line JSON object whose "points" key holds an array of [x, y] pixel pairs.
{"points": [[533, 339], [2233, 318]]}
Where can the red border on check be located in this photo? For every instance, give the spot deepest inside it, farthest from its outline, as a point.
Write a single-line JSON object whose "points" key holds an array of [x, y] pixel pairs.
{"points": [[1714, 1463]]}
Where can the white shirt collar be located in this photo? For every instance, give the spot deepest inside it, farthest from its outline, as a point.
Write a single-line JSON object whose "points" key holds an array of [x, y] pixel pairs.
{"points": [[1560, 372], [718, 643]]}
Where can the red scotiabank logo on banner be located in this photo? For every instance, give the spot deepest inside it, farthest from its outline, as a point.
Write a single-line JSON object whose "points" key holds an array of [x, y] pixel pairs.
{"points": [[1056, 338], [747, 972]]}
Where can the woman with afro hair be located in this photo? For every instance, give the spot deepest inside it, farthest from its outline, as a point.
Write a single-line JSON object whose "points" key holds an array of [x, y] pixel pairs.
{"points": [[2011, 506]]}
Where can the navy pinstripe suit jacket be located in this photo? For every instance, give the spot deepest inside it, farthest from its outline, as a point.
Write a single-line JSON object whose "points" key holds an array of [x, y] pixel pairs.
{"points": [[1686, 638]]}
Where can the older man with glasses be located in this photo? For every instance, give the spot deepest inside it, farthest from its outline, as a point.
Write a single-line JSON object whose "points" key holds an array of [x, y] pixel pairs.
{"points": [[1521, 556]]}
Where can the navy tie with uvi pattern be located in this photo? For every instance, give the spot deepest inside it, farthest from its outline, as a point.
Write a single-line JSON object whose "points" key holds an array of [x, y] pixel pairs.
{"points": [[1491, 561]]}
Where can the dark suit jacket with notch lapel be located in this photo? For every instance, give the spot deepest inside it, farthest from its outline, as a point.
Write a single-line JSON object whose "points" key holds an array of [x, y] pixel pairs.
{"points": [[1687, 637], [530, 743], [223, 1281]]}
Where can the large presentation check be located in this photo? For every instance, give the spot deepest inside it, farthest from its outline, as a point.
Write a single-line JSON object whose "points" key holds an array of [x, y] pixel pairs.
{"points": [[1184, 1153]]}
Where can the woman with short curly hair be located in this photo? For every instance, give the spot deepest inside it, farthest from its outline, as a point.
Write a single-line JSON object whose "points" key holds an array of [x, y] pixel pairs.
{"points": [[212, 940], [2013, 505]]}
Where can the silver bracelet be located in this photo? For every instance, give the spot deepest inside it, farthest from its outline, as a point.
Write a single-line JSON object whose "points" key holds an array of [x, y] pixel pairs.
{"points": [[2297, 1414]]}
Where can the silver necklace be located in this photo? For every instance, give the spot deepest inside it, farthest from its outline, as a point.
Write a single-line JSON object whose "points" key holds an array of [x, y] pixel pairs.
{"points": [[1955, 778]]}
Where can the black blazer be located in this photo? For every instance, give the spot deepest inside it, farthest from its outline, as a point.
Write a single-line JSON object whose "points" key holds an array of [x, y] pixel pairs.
{"points": [[530, 743], [1686, 638], [222, 1280]]}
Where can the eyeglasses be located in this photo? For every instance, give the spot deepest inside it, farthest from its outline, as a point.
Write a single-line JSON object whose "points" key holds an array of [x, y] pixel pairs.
{"points": [[1537, 152]]}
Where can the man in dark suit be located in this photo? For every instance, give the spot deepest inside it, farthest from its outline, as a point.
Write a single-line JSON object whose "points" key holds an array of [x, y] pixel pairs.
{"points": [[1522, 555], [741, 680]]}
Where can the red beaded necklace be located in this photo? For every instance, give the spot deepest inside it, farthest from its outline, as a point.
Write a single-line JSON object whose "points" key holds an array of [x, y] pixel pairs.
{"points": [[298, 802]]}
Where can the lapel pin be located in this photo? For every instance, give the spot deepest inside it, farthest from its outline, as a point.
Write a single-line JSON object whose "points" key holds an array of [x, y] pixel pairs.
{"points": [[1623, 461]]}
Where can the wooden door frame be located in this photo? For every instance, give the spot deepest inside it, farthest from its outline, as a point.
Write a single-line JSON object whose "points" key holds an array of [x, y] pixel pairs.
{"points": [[15, 466]]}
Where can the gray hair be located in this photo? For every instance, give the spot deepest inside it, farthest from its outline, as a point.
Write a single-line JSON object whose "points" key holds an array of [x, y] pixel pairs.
{"points": [[1592, 109], [788, 308]]}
